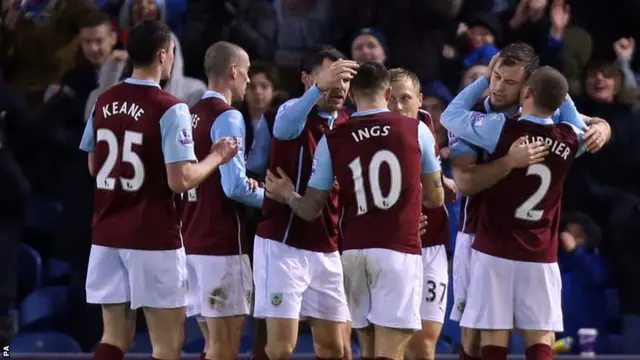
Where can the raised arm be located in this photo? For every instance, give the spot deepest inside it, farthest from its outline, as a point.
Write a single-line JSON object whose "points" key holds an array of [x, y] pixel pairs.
{"points": [[292, 115], [259, 155], [183, 171], [482, 130], [432, 191], [235, 183], [472, 178], [568, 113], [309, 206]]}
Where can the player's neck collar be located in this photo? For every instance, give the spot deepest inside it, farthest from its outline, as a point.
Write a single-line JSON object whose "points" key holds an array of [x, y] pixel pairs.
{"points": [[213, 94], [537, 120], [369, 112], [141, 82]]}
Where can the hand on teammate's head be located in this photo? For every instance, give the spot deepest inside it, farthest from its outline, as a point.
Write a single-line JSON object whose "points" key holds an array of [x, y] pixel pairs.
{"points": [[492, 64], [341, 70]]}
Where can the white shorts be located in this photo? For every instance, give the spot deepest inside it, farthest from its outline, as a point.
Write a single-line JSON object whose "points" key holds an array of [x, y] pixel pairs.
{"points": [[435, 279], [145, 278], [219, 286], [384, 288], [506, 294], [461, 263], [292, 283]]}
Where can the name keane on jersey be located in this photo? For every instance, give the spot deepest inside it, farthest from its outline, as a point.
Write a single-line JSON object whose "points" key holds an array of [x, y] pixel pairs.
{"points": [[119, 108], [372, 131], [555, 147]]}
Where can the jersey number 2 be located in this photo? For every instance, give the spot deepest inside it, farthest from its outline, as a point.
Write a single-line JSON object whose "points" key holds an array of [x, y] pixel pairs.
{"points": [[526, 211], [103, 181], [395, 181]]}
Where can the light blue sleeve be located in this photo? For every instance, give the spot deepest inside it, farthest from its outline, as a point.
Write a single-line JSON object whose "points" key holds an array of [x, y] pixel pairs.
{"points": [[259, 156], [430, 163], [322, 169], [177, 135], [88, 143], [292, 115], [459, 147], [580, 135], [568, 113], [479, 129], [234, 173]]}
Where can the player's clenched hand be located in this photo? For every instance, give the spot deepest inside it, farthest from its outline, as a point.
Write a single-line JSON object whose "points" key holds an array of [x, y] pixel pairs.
{"points": [[450, 189], [422, 227], [334, 74], [596, 135], [253, 184], [279, 186], [522, 154], [226, 148]]}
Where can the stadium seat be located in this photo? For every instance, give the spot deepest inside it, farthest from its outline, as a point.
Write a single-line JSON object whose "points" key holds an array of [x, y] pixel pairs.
{"points": [[142, 344], [43, 214], [444, 347], [57, 269], [45, 342], [29, 270], [246, 343], [194, 346], [516, 344], [304, 345], [41, 308]]}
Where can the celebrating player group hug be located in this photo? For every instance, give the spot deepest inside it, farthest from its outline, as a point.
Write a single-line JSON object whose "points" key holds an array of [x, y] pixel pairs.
{"points": [[342, 239]]}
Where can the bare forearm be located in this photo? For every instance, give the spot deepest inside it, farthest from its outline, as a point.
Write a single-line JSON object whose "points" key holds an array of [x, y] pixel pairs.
{"points": [[304, 209], [194, 174], [476, 178]]}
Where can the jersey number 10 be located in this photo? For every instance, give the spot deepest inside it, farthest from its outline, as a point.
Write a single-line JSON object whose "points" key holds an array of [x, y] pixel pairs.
{"points": [[380, 201], [103, 180]]}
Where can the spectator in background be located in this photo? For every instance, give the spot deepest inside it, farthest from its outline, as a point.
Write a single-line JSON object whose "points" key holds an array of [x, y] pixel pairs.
{"points": [[265, 81], [585, 277], [62, 121], [369, 44], [14, 192], [250, 24], [38, 42], [187, 89]]}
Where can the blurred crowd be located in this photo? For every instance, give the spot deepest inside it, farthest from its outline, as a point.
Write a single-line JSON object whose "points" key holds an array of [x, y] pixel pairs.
{"points": [[57, 56]]}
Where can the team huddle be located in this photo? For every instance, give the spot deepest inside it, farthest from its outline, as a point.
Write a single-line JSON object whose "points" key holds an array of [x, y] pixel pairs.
{"points": [[342, 241]]}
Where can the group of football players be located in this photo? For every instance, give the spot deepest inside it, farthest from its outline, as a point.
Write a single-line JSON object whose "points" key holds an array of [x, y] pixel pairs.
{"points": [[342, 240]]}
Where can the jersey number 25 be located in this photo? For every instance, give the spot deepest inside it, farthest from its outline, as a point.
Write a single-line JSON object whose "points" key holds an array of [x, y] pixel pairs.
{"points": [[103, 180]]}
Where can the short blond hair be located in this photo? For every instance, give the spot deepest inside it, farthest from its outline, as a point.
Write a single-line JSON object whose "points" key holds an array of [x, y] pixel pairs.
{"points": [[401, 74]]}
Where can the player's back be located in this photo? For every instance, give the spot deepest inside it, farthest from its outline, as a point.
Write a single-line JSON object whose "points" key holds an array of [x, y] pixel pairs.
{"points": [[377, 162], [224, 235], [520, 214], [134, 207]]}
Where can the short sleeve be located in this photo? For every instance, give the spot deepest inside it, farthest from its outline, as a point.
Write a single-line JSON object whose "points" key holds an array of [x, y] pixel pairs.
{"points": [[177, 135], [429, 163]]}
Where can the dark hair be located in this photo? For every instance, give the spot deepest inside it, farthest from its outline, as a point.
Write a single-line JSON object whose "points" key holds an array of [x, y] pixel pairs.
{"points": [[316, 56], [145, 40], [270, 71], [372, 78], [95, 19], [549, 88], [520, 54]]}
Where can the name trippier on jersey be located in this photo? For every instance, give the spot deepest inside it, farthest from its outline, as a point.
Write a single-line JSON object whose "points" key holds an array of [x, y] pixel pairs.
{"points": [[555, 147], [118, 108], [371, 131]]}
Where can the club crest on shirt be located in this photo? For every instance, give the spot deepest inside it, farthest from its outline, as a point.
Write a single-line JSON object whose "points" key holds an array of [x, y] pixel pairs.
{"points": [[478, 119], [461, 304], [276, 299], [453, 139], [185, 137], [239, 142]]}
